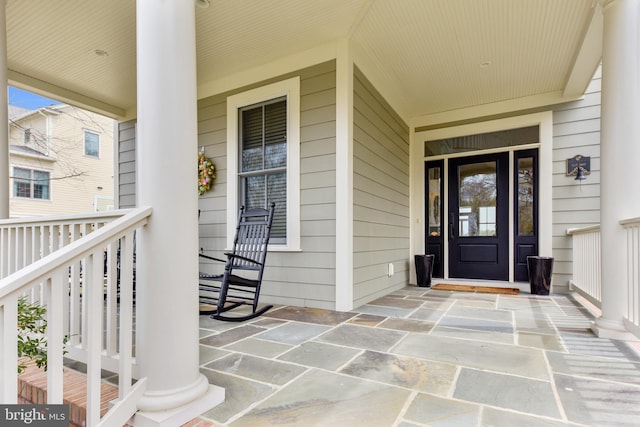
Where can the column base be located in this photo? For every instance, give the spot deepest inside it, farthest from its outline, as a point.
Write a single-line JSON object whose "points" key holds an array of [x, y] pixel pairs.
{"points": [[182, 414], [612, 329]]}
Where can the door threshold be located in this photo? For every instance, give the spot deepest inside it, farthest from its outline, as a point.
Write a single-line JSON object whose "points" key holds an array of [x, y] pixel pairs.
{"points": [[522, 286]]}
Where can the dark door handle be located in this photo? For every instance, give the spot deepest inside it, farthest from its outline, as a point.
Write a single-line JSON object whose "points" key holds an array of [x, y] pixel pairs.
{"points": [[451, 231]]}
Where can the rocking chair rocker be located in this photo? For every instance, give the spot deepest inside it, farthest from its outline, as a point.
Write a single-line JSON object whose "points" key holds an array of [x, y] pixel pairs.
{"points": [[244, 266]]}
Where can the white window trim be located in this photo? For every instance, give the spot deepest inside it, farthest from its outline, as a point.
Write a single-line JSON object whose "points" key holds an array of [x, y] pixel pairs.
{"points": [[291, 89], [32, 191], [86, 131]]}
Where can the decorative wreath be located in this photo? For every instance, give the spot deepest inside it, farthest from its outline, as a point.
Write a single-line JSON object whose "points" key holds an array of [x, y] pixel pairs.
{"points": [[206, 173]]}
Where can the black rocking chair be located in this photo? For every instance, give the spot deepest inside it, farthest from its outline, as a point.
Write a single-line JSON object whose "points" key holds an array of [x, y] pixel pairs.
{"points": [[242, 278]]}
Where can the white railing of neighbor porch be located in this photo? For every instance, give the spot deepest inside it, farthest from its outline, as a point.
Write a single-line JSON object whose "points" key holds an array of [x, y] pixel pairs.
{"points": [[23, 241], [632, 228], [77, 285], [586, 263]]}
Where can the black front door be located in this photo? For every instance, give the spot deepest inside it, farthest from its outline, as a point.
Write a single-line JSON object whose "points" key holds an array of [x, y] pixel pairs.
{"points": [[478, 223]]}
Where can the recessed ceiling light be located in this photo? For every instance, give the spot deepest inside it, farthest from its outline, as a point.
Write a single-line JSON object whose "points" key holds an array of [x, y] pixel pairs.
{"points": [[100, 52]]}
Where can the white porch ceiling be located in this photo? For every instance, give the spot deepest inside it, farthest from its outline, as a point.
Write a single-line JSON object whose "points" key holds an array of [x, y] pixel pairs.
{"points": [[438, 55]]}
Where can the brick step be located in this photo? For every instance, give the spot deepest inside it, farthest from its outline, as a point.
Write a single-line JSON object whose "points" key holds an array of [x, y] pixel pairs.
{"points": [[32, 390]]}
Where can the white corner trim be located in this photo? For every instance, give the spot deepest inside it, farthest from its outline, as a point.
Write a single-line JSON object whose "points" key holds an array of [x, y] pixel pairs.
{"points": [[344, 176]]}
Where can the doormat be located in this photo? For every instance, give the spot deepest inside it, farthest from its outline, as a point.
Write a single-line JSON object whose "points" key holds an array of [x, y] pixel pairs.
{"points": [[479, 289]]}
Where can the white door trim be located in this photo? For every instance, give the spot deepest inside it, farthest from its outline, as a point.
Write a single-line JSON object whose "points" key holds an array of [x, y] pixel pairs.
{"points": [[545, 150]]}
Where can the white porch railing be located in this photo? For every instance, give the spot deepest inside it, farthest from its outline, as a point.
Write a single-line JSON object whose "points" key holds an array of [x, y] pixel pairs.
{"points": [[24, 241], [586, 268], [632, 321], [586, 263], [65, 263]]}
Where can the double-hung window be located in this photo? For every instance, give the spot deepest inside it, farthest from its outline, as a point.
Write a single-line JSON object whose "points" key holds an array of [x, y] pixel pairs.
{"points": [[263, 155], [263, 161], [29, 183]]}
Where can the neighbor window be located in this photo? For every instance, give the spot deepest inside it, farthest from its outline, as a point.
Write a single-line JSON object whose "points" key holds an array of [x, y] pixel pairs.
{"points": [[91, 144], [30, 183], [27, 136], [264, 154]]}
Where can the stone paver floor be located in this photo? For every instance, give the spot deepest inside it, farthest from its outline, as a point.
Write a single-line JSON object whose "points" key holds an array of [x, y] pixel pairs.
{"points": [[422, 357]]}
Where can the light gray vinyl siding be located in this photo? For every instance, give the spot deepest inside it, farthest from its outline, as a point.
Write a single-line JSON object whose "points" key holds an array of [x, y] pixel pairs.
{"points": [[576, 130], [305, 278], [127, 164], [380, 194]]}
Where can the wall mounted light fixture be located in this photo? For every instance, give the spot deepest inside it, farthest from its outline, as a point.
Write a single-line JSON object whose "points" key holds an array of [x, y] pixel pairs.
{"points": [[579, 166]]}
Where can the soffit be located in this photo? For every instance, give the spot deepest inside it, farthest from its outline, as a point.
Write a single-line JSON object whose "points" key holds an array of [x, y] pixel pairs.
{"points": [[432, 50]]}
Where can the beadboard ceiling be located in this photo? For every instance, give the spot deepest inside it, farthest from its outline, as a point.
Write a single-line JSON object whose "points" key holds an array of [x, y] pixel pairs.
{"points": [[438, 55]]}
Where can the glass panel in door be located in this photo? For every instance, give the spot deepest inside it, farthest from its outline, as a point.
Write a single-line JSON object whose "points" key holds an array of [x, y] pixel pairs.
{"points": [[434, 211], [526, 206]]}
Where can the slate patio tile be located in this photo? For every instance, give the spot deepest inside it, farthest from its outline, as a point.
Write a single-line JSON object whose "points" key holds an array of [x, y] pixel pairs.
{"points": [[430, 314], [294, 332], [543, 341], [599, 403], [480, 313], [507, 391], [409, 325], [378, 310], [257, 368], [470, 334], [259, 347], [231, 335], [496, 417], [435, 411], [240, 393], [476, 324], [208, 354], [362, 337], [310, 315], [321, 398], [396, 302], [586, 343], [416, 374], [617, 370], [320, 355], [508, 359], [366, 319]]}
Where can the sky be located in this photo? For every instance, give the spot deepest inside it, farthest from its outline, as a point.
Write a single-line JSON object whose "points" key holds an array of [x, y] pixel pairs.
{"points": [[28, 100]]}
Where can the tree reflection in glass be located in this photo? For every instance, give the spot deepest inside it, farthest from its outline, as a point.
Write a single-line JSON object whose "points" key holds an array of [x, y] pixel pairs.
{"points": [[525, 196], [477, 203]]}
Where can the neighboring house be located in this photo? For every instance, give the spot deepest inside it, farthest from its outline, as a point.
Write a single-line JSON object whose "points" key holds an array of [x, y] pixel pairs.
{"points": [[61, 161]]}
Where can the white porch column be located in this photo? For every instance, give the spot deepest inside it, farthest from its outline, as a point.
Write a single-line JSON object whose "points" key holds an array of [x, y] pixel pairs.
{"points": [[167, 248], [4, 116], [619, 152], [344, 175]]}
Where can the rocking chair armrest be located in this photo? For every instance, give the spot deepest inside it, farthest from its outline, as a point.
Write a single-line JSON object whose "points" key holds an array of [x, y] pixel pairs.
{"points": [[230, 255], [211, 258]]}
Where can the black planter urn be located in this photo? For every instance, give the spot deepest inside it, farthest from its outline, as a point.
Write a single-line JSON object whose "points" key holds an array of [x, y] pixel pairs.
{"points": [[540, 271], [424, 269]]}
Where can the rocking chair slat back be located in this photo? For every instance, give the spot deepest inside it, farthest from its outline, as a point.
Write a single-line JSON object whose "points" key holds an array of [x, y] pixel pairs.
{"points": [[233, 288]]}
